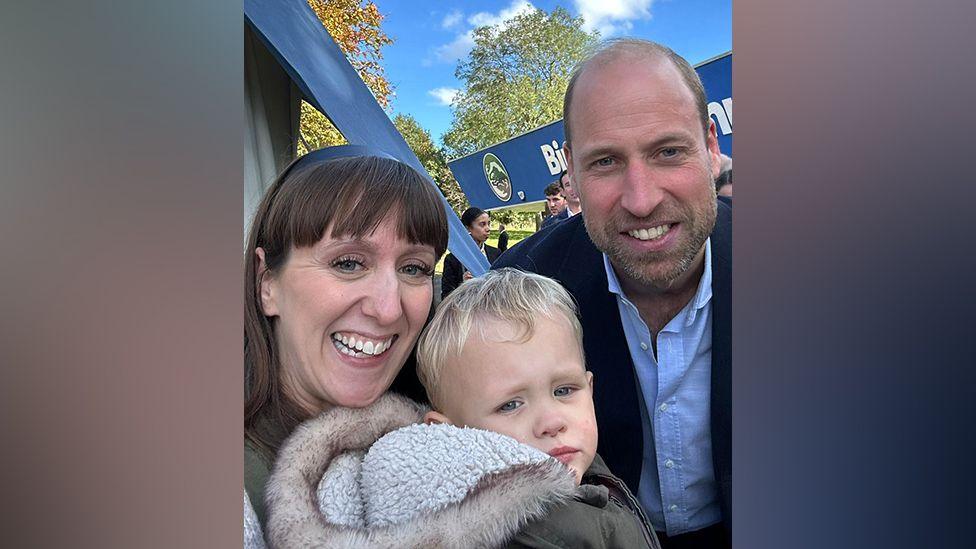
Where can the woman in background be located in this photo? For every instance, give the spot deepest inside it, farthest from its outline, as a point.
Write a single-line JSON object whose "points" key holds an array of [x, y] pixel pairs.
{"points": [[476, 220]]}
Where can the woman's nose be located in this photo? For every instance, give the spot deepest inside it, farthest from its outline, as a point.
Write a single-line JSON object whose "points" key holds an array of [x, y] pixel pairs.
{"points": [[383, 300]]}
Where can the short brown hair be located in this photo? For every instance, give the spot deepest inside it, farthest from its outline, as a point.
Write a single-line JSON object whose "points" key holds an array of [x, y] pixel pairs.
{"points": [[348, 196], [553, 188], [610, 50]]}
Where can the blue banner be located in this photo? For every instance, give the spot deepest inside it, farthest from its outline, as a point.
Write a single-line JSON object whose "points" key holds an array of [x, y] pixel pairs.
{"points": [[515, 172]]}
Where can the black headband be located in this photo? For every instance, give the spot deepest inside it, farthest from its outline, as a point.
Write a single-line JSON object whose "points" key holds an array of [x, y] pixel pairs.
{"points": [[332, 153]]}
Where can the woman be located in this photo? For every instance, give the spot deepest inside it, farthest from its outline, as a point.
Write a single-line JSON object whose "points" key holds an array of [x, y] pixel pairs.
{"points": [[338, 285], [476, 220]]}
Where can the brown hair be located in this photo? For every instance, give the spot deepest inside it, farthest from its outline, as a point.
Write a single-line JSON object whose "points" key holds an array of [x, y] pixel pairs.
{"points": [[350, 197], [609, 50]]}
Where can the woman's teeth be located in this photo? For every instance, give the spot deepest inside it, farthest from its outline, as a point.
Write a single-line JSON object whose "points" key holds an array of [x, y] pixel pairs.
{"points": [[650, 234], [359, 347]]}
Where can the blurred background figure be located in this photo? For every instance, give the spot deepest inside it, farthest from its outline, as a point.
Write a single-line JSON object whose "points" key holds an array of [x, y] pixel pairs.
{"points": [[723, 183], [555, 203], [569, 195], [502, 238], [477, 222]]}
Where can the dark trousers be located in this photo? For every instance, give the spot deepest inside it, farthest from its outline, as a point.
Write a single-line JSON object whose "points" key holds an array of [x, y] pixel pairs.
{"points": [[710, 537]]}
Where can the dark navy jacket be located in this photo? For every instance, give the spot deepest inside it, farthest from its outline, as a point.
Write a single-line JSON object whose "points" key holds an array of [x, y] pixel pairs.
{"points": [[566, 253]]}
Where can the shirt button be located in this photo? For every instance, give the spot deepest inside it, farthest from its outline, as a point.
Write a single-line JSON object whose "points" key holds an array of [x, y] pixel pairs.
{"points": [[663, 407], [669, 464], [643, 345], [673, 508]]}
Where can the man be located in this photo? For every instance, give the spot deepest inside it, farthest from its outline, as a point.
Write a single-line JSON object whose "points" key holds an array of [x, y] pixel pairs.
{"points": [[502, 238], [650, 263], [555, 203], [569, 194], [723, 185]]}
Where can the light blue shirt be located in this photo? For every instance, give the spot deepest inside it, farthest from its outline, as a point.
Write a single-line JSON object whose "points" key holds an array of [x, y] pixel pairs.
{"points": [[677, 485]]}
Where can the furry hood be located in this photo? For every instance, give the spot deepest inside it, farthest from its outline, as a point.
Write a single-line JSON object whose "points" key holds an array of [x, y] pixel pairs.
{"points": [[337, 484]]}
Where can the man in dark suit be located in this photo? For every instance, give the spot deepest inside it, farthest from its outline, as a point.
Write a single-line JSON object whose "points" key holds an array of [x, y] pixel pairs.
{"points": [[650, 263], [555, 203], [502, 238], [477, 222]]}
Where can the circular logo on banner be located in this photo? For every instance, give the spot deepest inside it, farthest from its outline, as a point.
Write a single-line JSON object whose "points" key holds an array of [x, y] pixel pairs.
{"points": [[497, 177]]}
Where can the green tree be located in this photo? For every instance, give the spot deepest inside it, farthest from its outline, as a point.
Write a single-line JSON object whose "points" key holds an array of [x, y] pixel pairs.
{"points": [[514, 78], [433, 159], [355, 27]]}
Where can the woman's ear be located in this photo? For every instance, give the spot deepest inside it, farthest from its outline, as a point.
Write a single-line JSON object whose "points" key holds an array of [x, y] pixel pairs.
{"points": [[435, 418], [266, 285]]}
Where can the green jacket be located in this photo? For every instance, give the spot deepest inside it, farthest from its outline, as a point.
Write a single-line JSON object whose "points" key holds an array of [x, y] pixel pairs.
{"points": [[257, 468], [603, 514]]}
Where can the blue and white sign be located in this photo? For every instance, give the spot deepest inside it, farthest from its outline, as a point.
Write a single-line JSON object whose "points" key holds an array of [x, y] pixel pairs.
{"points": [[516, 171]]}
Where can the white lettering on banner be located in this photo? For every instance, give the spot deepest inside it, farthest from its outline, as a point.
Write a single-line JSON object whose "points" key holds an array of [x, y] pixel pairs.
{"points": [[554, 157], [722, 112]]}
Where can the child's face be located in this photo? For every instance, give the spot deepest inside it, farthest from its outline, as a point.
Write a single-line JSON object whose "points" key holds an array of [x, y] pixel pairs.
{"points": [[536, 392]]}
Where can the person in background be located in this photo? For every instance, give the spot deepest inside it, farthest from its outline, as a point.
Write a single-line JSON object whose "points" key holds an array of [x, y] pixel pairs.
{"points": [[650, 263], [555, 203], [723, 184], [569, 194], [477, 222], [502, 238], [338, 283]]}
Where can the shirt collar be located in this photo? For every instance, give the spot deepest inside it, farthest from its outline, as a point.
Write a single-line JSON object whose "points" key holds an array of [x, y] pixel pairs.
{"points": [[702, 295]]}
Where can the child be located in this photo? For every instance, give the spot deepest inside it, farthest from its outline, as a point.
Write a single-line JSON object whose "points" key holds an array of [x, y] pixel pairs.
{"points": [[503, 355]]}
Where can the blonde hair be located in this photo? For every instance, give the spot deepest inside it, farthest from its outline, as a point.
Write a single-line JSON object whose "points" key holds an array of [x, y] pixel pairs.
{"points": [[508, 295]]}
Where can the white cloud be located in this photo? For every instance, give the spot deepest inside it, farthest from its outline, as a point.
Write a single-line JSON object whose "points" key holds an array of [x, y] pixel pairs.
{"points": [[444, 96], [464, 41], [612, 17], [517, 7], [458, 48], [451, 19]]}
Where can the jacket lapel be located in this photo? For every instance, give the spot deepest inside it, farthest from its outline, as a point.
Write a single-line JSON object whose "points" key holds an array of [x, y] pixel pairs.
{"points": [[721, 399]]}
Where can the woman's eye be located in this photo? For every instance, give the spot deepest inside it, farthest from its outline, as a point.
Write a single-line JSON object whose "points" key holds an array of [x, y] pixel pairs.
{"points": [[509, 406], [347, 265], [563, 391], [417, 270]]}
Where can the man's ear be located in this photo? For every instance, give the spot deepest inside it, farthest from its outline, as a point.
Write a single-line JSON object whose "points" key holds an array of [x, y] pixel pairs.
{"points": [[436, 418], [711, 142], [589, 379], [266, 285], [568, 155]]}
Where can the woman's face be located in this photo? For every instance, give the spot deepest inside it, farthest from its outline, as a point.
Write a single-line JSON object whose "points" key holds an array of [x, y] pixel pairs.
{"points": [[347, 313], [479, 229]]}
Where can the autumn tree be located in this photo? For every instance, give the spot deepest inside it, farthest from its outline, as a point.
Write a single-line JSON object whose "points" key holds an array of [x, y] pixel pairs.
{"points": [[355, 27], [514, 78], [433, 159]]}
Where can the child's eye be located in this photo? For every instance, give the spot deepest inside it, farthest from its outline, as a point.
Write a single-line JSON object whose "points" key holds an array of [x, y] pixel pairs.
{"points": [[509, 406], [563, 391]]}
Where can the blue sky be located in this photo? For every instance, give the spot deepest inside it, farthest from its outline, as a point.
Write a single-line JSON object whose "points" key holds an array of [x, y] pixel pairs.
{"points": [[430, 36]]}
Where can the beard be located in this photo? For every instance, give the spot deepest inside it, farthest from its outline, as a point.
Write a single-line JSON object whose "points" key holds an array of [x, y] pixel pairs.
{"points": [[659, 270]]}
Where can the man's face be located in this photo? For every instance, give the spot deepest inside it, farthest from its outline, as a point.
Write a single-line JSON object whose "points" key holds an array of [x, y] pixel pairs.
{"points": [[556, 203], [537, 391], [569, 193], [643, 168]]}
